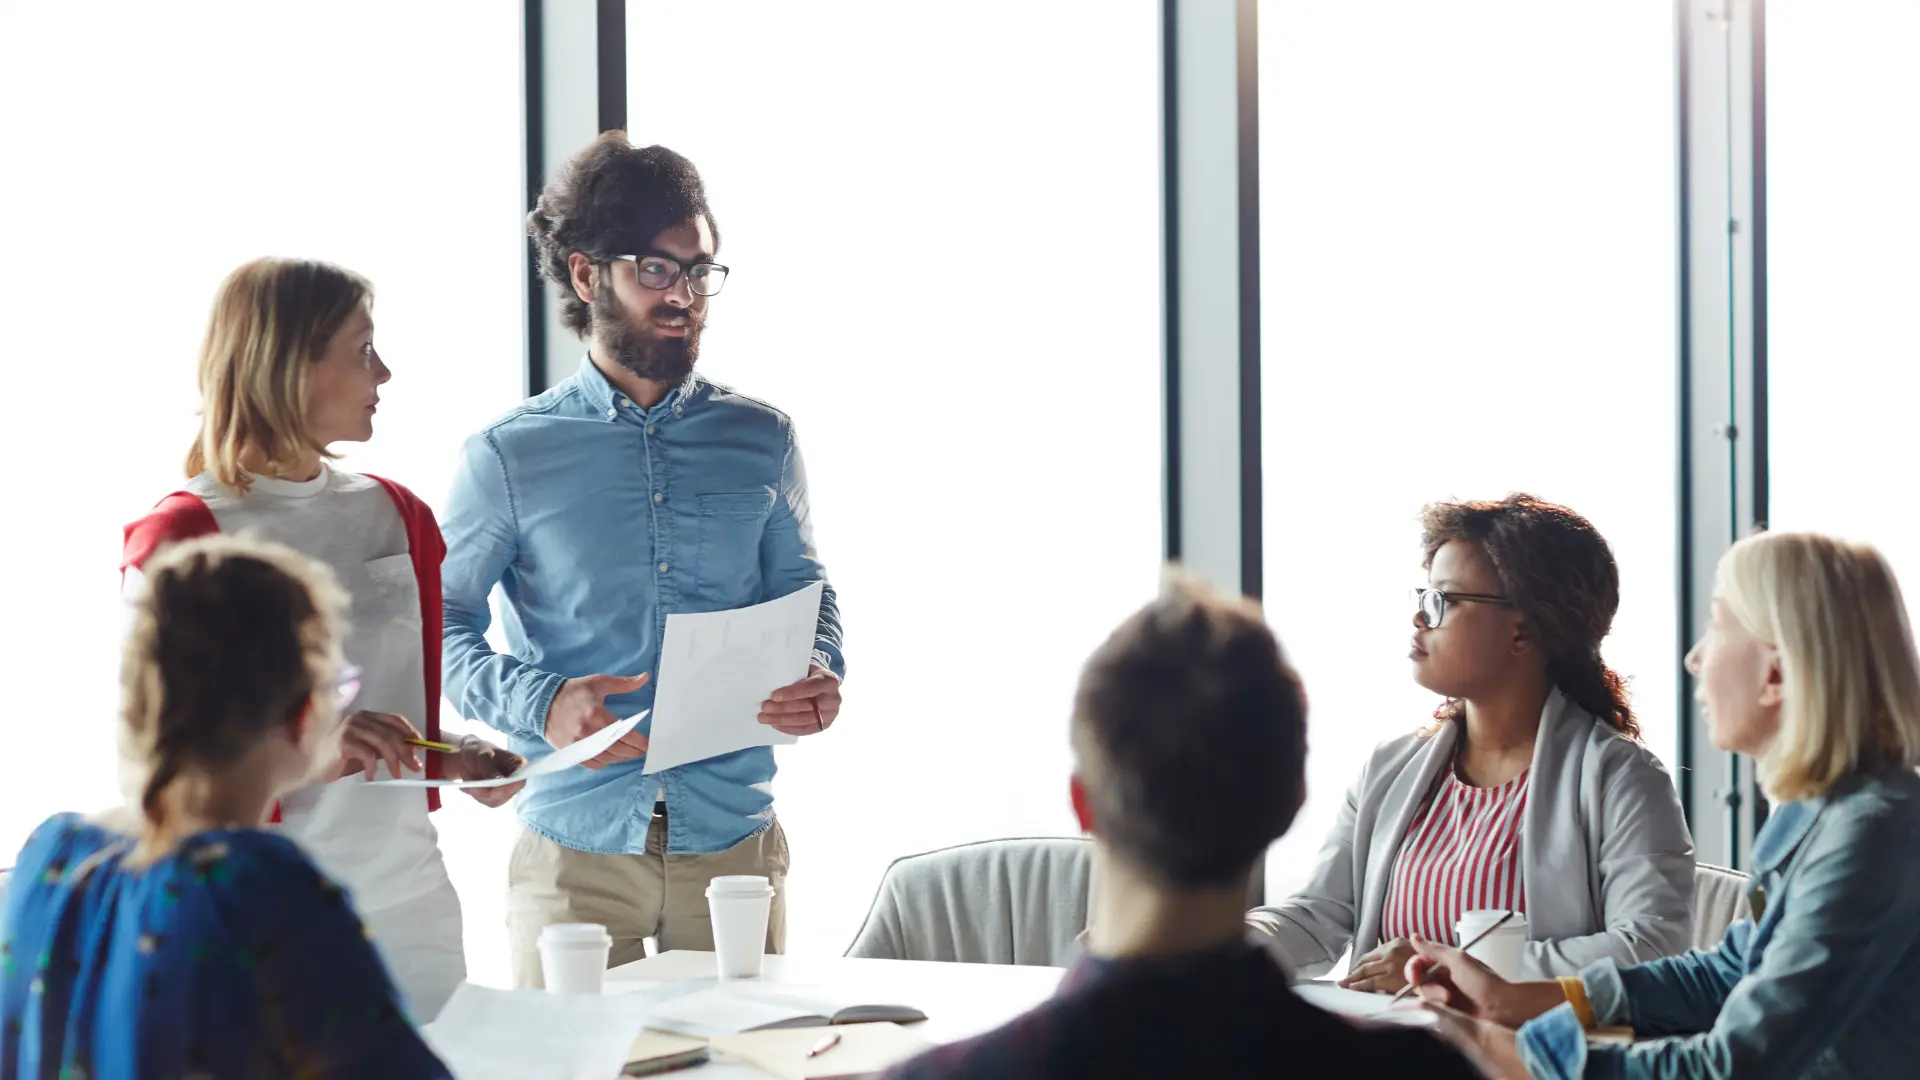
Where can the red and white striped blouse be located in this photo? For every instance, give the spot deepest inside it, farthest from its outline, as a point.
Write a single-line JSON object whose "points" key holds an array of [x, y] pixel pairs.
{"points": [[1462, 853]]}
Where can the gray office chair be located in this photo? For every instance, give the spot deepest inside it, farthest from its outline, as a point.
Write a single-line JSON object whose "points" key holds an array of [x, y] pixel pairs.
{"points": [[1021, 901], [1719, 901]]}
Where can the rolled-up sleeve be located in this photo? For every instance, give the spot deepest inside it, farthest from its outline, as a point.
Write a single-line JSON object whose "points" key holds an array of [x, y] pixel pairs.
{"points": [[789, 561], [503, 692]]}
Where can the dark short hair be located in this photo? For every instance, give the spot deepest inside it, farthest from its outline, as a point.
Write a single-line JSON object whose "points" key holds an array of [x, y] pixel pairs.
{"points": [[1190, 730], [1560, 574], [611, 199]]}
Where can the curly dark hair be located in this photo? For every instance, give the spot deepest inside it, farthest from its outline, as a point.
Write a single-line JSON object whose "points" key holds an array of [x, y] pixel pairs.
{"points": [[1560, 574], [611, 199]]}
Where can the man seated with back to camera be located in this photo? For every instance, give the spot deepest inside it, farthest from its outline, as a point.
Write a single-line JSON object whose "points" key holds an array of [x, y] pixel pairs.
{"points": [[1189, 734]]}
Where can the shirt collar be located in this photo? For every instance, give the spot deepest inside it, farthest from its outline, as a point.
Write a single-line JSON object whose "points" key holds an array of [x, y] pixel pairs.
{"points": [[291, 489], [1787, 825], [1089, 970], [606, 398]]}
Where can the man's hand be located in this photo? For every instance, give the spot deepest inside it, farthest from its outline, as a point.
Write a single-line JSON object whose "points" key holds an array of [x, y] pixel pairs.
{"points": [[807, 707], [1382, 971], [479, 759], [580, 708], [369, 738]]}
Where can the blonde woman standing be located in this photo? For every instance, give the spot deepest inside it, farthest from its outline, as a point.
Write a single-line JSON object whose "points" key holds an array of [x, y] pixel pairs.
{"points": [[288, 369], [1808, 665]]}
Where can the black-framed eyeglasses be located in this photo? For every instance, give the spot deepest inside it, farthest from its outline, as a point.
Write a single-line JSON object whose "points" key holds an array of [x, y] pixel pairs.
{"points": [[1432, 604], [658, 272]]}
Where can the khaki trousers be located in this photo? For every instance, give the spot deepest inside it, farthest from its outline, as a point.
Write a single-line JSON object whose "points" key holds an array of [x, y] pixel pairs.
{"points": [[635, 897]]}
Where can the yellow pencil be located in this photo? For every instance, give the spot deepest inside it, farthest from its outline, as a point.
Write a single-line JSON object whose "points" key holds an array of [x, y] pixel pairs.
{"points": [[444, 748]]}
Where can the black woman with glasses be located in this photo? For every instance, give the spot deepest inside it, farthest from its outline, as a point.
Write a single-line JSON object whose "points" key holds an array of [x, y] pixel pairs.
{"points": [[1530, 802]]}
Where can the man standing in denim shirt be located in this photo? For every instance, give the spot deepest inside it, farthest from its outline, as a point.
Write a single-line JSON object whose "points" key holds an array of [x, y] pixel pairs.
{"points": [[635, 489]]}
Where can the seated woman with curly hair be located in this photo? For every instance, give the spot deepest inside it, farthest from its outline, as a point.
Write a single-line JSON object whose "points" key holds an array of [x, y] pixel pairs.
{"points": [[1532, 793]]}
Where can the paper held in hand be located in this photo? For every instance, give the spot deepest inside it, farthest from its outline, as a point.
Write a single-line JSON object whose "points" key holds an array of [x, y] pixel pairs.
{"points": [[564, 758], [717, 667]]}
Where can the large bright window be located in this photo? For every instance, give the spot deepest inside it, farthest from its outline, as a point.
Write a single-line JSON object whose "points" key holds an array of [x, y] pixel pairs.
{"points": [[158, 147], [943, 225], [1843, 362], [1467, 286]]}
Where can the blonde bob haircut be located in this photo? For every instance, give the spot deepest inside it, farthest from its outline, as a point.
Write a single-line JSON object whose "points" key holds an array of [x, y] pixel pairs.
{"points": [[272, 319], [1850, 678]]}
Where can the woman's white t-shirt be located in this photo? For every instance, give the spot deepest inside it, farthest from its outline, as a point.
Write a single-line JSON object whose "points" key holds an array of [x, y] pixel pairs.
{"points": [[375, 840]]}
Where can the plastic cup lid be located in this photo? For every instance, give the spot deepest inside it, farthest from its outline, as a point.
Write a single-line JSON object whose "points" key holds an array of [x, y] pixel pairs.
{"points": [[574, 934], [1476, 921], [739, 885]]}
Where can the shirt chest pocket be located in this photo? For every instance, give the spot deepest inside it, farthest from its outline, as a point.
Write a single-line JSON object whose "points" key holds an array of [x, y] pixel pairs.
{"points": [[389, 595], [727, 544]]}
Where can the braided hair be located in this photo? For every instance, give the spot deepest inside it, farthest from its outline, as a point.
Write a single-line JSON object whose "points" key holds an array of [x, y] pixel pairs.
{"points": [[230, 640]]}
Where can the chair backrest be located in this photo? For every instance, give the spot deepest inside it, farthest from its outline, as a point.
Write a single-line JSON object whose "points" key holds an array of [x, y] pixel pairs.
{"points": [[1018, 901], [1719, 901]]}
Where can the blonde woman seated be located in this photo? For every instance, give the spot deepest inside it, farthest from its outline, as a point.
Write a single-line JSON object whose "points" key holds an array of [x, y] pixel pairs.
{"points": [[1531, 794], [1808, 665]]}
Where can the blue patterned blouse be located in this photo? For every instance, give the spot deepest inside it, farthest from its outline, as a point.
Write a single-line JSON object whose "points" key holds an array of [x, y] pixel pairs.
{"points": [[230, 957]]}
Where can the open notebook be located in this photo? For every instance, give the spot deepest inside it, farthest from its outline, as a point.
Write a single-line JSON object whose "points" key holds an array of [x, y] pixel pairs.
{"points": [[861, 1050], [736, 1007]]}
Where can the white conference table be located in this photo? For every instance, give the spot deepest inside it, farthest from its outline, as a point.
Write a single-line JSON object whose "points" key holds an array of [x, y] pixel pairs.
{"points": [[960, 1000]]}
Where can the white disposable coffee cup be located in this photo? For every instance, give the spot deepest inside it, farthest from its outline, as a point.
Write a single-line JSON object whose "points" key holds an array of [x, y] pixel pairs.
{"points": [[573, 957], [1503, 949], [740, 905]]}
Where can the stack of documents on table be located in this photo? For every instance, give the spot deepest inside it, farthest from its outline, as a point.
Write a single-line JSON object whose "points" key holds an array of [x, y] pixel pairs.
{"points": [[487, 1034], [1337, 999]]}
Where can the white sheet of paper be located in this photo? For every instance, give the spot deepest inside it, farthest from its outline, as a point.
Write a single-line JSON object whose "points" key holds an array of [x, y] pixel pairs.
{"points": [[485, 1034], [1338, 999], [717, 667], [564, 758]]}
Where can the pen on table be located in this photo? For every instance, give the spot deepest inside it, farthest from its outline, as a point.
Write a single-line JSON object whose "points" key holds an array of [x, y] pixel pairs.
{"points": [[444, 748], [1498, 923], [824, 1045]]}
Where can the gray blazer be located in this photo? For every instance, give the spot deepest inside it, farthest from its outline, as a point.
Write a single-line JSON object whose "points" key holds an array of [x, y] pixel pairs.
{"points": [[1604, 851]]}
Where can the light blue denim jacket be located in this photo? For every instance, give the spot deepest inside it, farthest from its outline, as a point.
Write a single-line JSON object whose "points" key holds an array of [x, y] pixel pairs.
{"points": [[1823, 981], [598, 518]]}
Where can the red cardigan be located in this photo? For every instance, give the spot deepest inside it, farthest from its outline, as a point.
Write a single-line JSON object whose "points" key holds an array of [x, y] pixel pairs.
{"points": [[183, 515]]}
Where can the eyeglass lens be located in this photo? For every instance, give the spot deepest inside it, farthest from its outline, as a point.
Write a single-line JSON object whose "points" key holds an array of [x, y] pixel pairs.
{"points": [[347, 689], [703, 279], [1433, 606]]}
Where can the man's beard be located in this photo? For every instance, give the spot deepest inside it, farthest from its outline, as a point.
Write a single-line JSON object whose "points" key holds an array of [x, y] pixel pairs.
{"points": [[661, 360]]}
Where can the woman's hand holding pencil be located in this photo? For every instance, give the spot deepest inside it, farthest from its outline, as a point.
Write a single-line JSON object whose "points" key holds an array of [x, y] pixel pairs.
{"points": [[369, 738]]}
